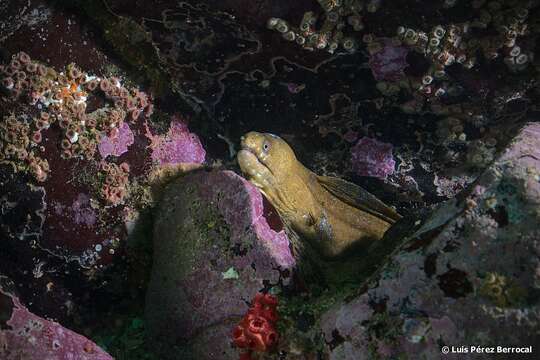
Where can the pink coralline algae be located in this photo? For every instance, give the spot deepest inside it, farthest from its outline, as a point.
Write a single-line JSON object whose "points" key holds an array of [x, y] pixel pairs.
{"points": [[389, 62], [276, 243], [81, 211], [244, 207], [28, 336], [178, 146], [370, 157], [116, 142]]}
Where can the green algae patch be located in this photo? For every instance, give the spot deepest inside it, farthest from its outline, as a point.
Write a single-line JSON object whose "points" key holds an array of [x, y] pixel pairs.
{"points": [[231, 273]]}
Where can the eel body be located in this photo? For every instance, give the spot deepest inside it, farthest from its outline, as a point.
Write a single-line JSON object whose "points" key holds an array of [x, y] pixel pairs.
{"points": [[334, 215]]}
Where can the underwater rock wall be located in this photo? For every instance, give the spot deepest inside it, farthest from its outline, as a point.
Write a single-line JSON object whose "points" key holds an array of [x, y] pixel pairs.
{"points": [[466, 275], [214, 251], [411, 105]]}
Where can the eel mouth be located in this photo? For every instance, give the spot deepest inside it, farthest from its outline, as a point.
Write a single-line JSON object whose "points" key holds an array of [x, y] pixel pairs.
{"points": [[258, 173]]}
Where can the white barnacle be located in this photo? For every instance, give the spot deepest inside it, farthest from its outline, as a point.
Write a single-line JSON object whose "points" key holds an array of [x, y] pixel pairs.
{"points": [[282, 27], [522, 59], [271, 23], [73, 138], [427, 79], [332, 47], [516, 50], [410, 37], [438, 32], [289, 36], [409, 34], [440, 92], [304, 26], [314, 38], [349, 44]]}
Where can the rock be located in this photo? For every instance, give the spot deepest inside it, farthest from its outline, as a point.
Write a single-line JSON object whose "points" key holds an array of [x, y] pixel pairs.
{"points": [[467, 275], [213, 251], [26, 336]]}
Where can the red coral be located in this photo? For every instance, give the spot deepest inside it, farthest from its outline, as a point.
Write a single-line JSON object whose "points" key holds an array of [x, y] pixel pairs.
{"points": [[256, 331]]}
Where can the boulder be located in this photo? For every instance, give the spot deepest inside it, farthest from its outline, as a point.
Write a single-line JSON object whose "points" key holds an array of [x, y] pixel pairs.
{"points": [[213, 251]]}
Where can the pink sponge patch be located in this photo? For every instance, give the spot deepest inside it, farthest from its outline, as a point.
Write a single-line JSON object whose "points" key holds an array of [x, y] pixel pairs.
{"points": [[178, 146], [117, 142], [389, 62], [370, 157]]}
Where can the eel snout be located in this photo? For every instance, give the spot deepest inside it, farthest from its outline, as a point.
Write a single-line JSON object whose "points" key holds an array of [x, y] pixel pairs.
{"points": [[259, 174]]}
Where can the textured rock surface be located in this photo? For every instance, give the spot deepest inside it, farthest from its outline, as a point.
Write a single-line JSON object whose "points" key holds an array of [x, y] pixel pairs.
{"points": [[214, 250], [26, 336], [468, 275]]}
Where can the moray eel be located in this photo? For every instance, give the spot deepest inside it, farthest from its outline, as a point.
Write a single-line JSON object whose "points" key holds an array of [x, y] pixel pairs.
{"points": [[333, 215]]}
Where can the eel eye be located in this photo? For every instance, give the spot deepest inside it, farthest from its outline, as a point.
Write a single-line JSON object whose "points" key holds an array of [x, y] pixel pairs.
{"points": [[266, 146]]}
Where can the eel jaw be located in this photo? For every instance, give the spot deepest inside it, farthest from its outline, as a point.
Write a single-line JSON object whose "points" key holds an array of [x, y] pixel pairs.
{"points": [[259, 175]]}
